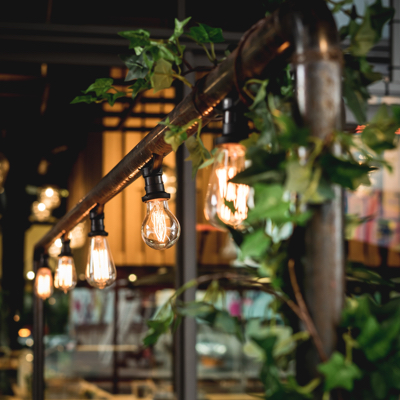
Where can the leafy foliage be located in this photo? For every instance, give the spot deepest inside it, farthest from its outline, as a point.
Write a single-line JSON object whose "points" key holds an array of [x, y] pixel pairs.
{"points": [[291, 172]]}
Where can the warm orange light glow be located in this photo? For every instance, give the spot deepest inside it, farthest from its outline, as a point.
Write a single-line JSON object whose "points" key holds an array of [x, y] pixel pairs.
{"points": [[160, 228], [44, 283], [229, 161], [24, 332], [100, 271], [66, 274], [283, 47], [233, 192], [360, 128], [158, 220]]}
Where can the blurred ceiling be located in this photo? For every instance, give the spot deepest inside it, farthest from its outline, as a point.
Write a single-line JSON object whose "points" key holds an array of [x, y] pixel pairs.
{"points": [[50, 51]]}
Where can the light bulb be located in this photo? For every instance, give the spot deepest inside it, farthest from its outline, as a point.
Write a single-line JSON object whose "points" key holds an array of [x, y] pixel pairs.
{"points": [[160, 228], [65, 276], [43, 283], [229, 161], [100, 270]]}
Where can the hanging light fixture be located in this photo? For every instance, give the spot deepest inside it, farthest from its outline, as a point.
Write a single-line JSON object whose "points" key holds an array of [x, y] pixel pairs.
{"points": [[100, 270], [4, 168], [44, 280], [65, 275], [160, 228], [227, 201]]}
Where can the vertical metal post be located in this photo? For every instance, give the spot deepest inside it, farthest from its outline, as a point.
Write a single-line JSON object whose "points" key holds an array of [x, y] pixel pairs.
{"points": [[115, 376], [185, 361], [38, 346], [317, 61]]}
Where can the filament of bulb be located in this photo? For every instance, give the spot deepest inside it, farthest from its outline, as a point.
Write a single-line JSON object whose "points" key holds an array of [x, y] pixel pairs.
{"points": [[43, 286], [65, 276], [158, 220], [100, 266], [236, 193]]}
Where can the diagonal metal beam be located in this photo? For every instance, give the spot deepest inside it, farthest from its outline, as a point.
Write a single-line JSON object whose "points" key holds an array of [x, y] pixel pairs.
{"points": [[264, 42]]}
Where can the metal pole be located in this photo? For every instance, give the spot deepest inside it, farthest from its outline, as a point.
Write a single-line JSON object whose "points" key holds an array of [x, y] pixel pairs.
{"points": [[318, 61], [38, 347], [185, 356]]}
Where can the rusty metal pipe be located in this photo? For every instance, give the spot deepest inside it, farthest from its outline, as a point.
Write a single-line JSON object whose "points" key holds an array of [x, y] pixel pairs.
{"points": [[264, 43]]}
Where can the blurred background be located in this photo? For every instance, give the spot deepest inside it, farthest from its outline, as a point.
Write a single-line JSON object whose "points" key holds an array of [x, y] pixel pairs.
{"points": [[52, 153]]}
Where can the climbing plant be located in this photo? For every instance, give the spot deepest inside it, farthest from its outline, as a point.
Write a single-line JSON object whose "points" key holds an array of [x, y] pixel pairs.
{"points": [[285, 181]]}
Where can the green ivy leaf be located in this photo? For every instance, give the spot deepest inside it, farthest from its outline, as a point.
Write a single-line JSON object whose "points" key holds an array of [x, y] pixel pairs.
{"points": [[344, 172], [162, 76], [100, 86], [355, 98], [198, 152], [205, 34], [137, 39], [140, 85], [379, 134], [178, 30], [136, 65], [298, 176], [255, 244], [84, 99], [269, 203], [376, 339], [380, 16], [339, 373], [112, 97], [202, 311], [159, 325], [176, 134], [156, 51], [353, 221], [365, 37]]}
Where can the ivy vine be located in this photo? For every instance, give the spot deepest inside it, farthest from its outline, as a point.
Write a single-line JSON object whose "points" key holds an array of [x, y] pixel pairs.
{"points": [[284, 183]]}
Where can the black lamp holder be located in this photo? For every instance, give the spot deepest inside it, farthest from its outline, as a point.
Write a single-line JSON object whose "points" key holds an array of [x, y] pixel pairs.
{"points": [[97, 222], [235, 125], [44, 261], [154, 186], [65, 249]]}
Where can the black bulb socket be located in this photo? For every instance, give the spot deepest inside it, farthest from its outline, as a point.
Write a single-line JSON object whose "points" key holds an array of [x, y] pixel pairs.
{"points": [[235, 126], [96, 223], [44, 261], [154, 185], [65, 249]]}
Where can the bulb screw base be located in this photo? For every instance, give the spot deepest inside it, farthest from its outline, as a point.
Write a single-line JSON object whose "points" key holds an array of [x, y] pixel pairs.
{"points": [[97, 223], [154, 185], [44, 261], [235, 125], [65, 249]]}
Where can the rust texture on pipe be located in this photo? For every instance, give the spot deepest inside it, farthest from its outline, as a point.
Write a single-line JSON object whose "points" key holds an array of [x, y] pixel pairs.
{"points": [[263, 44], [317, 61]]}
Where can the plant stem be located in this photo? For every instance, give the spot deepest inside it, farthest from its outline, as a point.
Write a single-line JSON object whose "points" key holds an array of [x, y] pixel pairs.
{"points": [[207, 53], [213, 53], [304, 311], [184, 80]]}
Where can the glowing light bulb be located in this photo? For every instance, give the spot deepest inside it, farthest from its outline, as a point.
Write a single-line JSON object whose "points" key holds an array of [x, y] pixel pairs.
{"points": [[229, 161], [160, 228], [100, 270], [43, 283], [65, 275]]}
